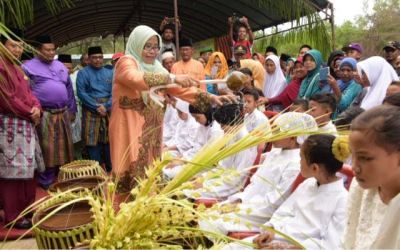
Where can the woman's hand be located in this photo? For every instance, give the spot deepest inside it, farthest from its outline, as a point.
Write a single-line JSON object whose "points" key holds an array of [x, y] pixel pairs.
{"points": [[331, 81], [263, 239], [221, 99], [35, 115], [186, 81], [262, 100]]}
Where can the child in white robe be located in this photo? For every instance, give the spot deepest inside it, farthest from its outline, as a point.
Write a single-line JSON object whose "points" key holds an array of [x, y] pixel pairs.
{"points": [[374, 196], [184, 137], [253, 117], [315, 214], [208, 130], [269, 186], [230, 183]]}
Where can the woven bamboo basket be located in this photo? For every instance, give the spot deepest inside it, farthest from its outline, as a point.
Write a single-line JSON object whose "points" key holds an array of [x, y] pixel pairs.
{"points": [[80, 168], [66, 228], [95, 184]]}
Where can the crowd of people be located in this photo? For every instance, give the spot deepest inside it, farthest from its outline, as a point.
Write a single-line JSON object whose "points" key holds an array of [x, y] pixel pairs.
{"points": [[51, 113]]}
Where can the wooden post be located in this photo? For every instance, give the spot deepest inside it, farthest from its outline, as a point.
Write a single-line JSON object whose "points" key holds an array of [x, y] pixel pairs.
{"points": [[332, 21], [176, 28]]}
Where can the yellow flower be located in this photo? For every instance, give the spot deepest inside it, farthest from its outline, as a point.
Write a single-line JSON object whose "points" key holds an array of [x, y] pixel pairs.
{"points": [[340, 148]]}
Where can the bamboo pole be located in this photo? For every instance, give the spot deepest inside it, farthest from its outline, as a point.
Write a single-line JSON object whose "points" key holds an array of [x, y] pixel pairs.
{"points": [[176, 28], [332, 21]]}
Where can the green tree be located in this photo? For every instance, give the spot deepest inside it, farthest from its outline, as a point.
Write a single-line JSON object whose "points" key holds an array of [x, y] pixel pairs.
{"points": [[372, 30], [347, 33]]}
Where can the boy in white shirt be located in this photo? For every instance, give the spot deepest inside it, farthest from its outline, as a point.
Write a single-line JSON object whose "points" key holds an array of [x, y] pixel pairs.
{"points": [[253, 117]]}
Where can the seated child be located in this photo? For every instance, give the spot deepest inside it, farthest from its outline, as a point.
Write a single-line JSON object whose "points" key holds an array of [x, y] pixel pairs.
{"points": [[207, 131], [322, 106], [372, 219], [184, 137], [269, 186], [253, 117], [228, 116], [315, 214]]}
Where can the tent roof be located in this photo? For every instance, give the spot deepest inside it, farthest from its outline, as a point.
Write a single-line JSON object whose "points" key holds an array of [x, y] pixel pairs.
{"points": [[201, 19]]}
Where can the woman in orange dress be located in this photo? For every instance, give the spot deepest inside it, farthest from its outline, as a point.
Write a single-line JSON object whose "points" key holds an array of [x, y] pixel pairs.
{"points": [[135, 128]]}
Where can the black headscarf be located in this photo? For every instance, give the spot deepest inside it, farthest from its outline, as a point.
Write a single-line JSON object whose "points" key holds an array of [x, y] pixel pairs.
{"points": [[332, 56]]}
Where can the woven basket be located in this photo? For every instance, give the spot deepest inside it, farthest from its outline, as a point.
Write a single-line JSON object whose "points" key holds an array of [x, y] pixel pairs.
{"points": [[80, 168], [95, 184], [66, 228]]}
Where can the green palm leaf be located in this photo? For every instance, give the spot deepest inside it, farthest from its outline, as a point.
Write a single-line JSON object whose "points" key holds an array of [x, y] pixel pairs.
{"points": [[17, 13]]}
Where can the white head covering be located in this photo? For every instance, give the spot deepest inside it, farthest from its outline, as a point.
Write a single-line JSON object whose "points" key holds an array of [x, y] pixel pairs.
{"points": [[166, 55], [134, 47], [380, 75], [274, 83]]}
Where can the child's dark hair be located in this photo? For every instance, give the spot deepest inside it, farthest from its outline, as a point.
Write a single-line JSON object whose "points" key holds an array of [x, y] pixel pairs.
{"points": [[229, 114], [302, 103], [318, 149], [382, 125], [393, 100], [305, 46], [271, 49], [241, 25], [345, 118], [327, 99], [253, 92], [246, 71]]}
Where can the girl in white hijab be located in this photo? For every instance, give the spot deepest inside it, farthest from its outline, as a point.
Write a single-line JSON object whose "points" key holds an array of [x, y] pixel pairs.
{"points": [[275, 81], [378, 74]]}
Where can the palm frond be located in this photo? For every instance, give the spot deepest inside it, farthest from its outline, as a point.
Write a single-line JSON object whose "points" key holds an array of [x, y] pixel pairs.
{"points": [[306, 25], [17, 13]]}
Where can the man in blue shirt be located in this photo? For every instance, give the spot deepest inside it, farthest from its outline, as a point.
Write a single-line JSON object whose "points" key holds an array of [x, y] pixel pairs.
{"points": [[94, 89]]}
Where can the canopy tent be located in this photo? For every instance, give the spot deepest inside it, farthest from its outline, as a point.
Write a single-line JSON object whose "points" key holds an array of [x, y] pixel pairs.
{"points": [[201, 19]]}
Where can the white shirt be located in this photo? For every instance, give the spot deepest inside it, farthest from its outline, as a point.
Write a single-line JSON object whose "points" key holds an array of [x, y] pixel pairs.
{"points": [[389, 232], [171, 120], [203, 135], [313, 215], [229, 183], [364, 217], [270, 185], [184, 137], [254, 119]]}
